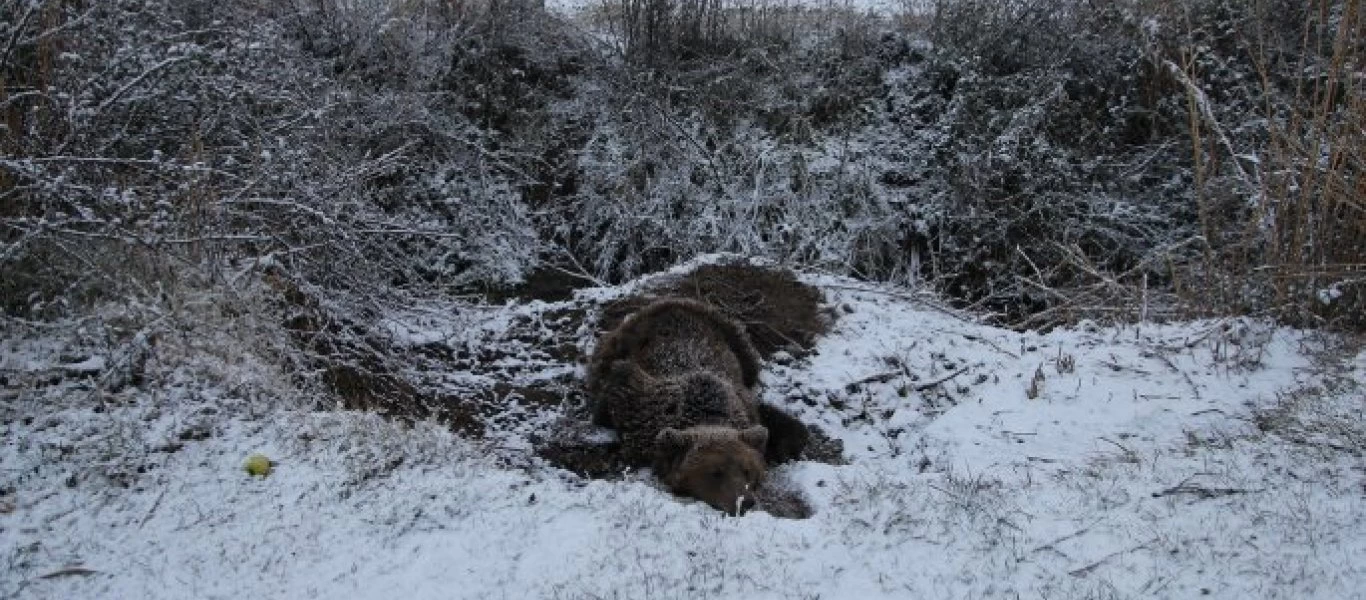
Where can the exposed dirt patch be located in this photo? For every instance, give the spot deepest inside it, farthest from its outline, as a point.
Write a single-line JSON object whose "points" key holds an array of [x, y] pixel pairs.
{"points": [[583, 449], [546, 283], [822, 448], [783, 499], [537, 395], [359, 367], [564, 324]]}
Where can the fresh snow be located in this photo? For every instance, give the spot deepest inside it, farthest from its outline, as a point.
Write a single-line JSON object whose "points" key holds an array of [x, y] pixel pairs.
{"points": [[1205, 459]]}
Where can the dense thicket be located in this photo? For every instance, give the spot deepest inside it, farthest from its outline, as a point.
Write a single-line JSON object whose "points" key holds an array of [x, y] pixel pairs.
{"points": [[1044, 159]]}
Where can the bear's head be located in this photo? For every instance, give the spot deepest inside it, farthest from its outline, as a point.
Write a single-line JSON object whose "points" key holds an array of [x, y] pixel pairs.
{"points": [[721, 466]]}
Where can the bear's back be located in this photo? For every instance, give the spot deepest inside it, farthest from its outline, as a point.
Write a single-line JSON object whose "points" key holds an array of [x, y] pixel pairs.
{"points": [[681, 340]]}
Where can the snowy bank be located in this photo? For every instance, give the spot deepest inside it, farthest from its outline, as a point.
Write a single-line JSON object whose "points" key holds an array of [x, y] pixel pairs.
{"points": [[1217, 459]]}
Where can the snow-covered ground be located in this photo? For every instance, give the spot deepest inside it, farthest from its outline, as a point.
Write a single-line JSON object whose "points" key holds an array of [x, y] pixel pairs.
{"points": [[1206, 459]]}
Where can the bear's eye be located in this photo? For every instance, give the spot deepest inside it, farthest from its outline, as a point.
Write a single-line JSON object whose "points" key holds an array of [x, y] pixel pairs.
{"points": [[718, 474]]}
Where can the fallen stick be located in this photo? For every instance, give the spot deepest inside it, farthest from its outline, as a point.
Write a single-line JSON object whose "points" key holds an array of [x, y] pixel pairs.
{"points": [[1203, 492], [1084, 571], [925, 386], [67, 571]]}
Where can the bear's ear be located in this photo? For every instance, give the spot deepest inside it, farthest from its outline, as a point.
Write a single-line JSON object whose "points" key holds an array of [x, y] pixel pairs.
{"points": [[671, 446], [756, 437]]}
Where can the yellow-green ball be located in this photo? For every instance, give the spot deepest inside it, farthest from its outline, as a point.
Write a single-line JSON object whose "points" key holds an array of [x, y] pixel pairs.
{"points": [[258, 465]]}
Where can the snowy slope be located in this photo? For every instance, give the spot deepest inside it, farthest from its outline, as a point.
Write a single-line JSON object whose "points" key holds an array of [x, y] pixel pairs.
{"points": [[1205, 459]]}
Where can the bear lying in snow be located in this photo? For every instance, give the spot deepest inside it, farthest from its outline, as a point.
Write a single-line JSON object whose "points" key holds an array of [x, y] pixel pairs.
{"points": [[677, 380]]}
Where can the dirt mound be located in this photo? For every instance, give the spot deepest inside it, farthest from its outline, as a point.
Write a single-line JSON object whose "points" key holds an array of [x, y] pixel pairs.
{"points": [[779, 312]]}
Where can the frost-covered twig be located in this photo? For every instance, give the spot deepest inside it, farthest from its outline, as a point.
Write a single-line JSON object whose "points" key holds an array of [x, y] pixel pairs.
{"points": [[1086, 570], [1202, 103], [137, 80], [925, 386], [18, 25], [1204, 493], [579, 270]]}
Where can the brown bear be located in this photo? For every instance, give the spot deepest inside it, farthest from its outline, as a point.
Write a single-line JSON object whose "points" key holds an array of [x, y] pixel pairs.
{"points": [[677, 380]]}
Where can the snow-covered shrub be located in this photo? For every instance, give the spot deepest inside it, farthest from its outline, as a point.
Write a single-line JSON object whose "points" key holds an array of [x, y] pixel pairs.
{"points": [[1124, 158], [157, 143], [732, 155], [1046, 159], [1274, 115], [663, 33], [119, 156], [1050, 155]]}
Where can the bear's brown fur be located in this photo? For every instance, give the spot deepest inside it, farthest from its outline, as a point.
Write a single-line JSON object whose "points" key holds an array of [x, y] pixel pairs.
{"points": [[677, 380]]}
